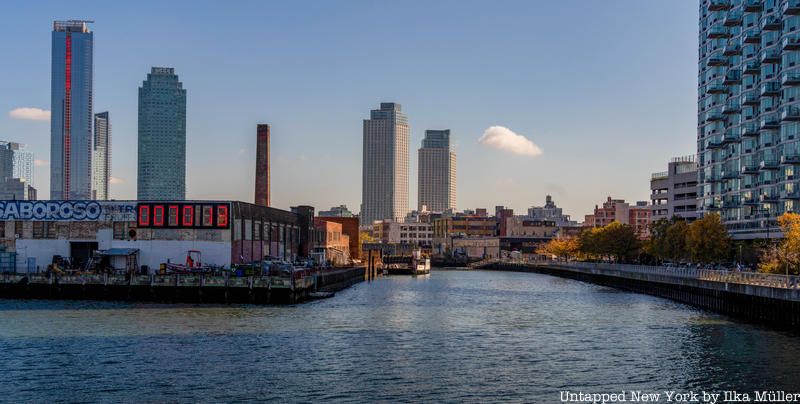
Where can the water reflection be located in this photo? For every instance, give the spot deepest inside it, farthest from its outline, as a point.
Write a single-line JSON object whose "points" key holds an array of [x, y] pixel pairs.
{"points": [[456, 335]]}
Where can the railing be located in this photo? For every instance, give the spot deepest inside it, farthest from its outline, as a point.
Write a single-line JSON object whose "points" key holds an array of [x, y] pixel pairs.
{"points": [[745, 278]]}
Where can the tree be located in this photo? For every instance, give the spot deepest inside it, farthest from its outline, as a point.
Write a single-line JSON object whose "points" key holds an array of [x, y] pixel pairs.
{"points": [[560, 247], [785, 257], [675, 241], [620, 241], [615, 241], [707, 240], [668, 239]]}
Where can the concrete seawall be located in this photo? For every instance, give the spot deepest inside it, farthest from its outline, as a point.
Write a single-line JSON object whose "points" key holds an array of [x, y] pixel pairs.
{"points": [[172, 288], [765, 303]]}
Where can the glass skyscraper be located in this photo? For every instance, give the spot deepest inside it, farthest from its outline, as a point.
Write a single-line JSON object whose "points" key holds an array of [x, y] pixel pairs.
{"points": [[385, 165], [749, 113], [102, 156], [436, 172], [71, 111], [162, 137]]}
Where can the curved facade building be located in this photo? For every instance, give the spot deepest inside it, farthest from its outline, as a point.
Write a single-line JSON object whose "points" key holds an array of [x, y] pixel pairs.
{"points": [[749, 113]]}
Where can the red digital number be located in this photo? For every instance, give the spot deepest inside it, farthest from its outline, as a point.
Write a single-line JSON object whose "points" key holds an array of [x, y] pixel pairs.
{"points": [[188, 215], [144, 215], [222, 216], [158, 215]]}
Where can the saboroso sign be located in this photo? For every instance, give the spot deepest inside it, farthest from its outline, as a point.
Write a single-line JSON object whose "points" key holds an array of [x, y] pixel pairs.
{"points": [[50, 210]]}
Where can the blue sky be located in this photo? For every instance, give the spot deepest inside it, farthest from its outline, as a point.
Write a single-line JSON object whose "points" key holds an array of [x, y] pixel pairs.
{"points": [[606, 89]]}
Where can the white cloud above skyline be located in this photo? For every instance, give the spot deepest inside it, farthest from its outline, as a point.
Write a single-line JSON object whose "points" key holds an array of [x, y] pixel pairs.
{"points": [[502, 138], [30, 114], [40, 162]]}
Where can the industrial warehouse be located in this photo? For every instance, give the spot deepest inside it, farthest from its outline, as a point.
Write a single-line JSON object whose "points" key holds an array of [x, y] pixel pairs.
{"points": [[145, 235]]}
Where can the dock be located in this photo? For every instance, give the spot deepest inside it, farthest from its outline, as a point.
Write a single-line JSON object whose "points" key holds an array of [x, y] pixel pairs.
{"points": [[178, 288]]}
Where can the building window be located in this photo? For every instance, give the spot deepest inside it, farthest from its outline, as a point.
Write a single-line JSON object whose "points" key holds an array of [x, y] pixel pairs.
{"points": [[18, 229], [38, 229], [2, 229], [257, 231], [119, 230]]}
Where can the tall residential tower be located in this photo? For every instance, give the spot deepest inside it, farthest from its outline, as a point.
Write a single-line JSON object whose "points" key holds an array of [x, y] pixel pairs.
{"points": [[437, 172], [385, 165], [748, 130], [71, 111], [101, 155], [162, 137]]}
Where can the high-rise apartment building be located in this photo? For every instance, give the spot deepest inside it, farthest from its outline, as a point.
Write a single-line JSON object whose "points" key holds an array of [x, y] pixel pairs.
{"points": [[23, 162], [385, 165], [436, 172], [16, 170], [674, 192], [101, 155], [162, 137], [748, 132], [71, 110]]}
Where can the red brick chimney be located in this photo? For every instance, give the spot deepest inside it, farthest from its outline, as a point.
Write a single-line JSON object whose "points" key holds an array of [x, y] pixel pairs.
{"points": [[262, 165]]}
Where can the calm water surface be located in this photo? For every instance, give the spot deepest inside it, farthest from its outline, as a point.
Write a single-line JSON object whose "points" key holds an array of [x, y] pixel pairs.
{"points": [[453, 336]]}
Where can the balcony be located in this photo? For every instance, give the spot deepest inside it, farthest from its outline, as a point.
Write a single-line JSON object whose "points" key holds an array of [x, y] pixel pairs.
{"points": [[793, 194], [717, 60], [718, 31], [770, 56], [769, 122], [769, 88], [749, 131], [769, 23], [731, 137], [750, 99], [752, 36], [790, 7], [732, 50], [752, 68], [732, 19], [715, 144], [790, 79], [769, 197], [730, 108], [750, 168], [790, 43], [791, 158], [751, 5], [732, 77], [790, 114], [769, 165], [750, 201], [730, 175], [714, 115], [716, 88], [719, 5]]}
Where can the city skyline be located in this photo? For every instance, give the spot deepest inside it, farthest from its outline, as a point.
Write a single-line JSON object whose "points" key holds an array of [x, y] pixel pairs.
{"points": [[540, 110]]}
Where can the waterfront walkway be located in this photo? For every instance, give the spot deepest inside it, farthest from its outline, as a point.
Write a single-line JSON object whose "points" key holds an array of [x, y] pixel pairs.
{"points": [[761, 297]]}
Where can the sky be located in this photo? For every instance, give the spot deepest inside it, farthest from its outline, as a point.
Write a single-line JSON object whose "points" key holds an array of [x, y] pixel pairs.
{"points": [[604, 93]]}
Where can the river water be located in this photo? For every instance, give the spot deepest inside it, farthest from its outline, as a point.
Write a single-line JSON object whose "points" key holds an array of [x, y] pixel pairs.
{"points": [[451, 336]]}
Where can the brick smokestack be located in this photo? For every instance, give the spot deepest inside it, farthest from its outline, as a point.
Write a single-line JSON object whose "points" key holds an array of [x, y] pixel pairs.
{"points": [[262, 165]]}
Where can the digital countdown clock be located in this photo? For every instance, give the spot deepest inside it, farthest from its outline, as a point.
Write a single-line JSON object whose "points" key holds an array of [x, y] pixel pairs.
{"points": [[183, 215]]}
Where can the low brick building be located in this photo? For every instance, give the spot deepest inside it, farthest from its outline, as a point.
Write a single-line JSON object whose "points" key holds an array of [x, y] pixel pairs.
{"points": [[331, 245], [225, 232]]}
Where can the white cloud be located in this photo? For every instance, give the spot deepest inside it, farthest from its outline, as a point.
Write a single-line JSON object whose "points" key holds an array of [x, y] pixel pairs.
{"points": [[40, 162], [502, 138], [30, 114], [116, 181]]}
